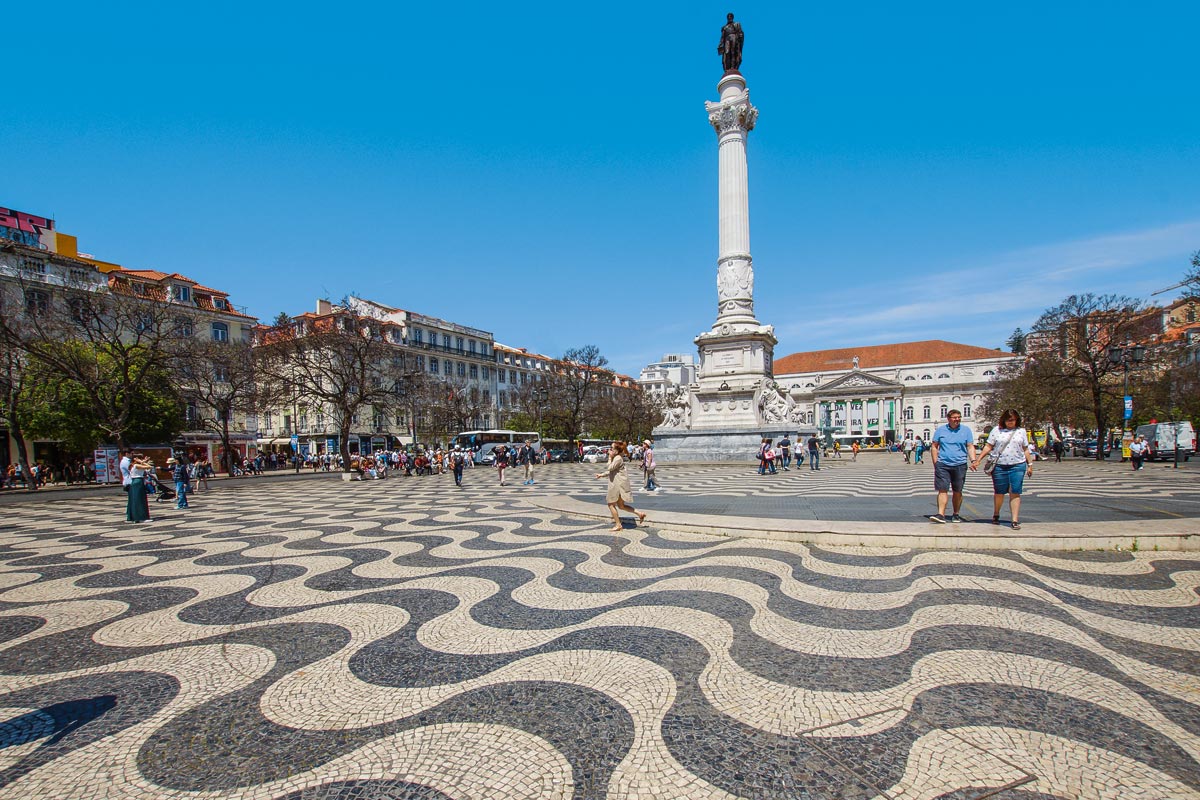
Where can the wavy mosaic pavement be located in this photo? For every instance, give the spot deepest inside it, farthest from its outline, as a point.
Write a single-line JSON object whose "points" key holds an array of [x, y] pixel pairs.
{"points": [[405, 639]]}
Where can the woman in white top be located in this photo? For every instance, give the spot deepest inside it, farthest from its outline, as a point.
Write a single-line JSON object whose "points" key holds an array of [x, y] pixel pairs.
{"points": [[1014, 462]]}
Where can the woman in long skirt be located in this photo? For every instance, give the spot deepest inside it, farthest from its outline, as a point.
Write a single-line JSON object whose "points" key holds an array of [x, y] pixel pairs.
{"points": [[137, 507], [620, 493]]}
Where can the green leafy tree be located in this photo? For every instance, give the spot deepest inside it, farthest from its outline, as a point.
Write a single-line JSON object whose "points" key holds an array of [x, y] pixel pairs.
{"points": [[65, 411], [1016, 342]]}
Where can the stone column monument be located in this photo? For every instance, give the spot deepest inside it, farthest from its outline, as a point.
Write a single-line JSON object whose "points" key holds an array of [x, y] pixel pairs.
{"points": [[734, 401]]}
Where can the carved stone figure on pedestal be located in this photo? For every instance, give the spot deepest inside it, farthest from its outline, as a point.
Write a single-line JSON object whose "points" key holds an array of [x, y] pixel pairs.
{"points": [[773, 404], [679, 410], [730, 47]]}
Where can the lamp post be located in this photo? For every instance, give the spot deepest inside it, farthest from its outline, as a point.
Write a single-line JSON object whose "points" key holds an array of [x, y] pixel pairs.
{"points": [[1125, 356], [541, 396]]}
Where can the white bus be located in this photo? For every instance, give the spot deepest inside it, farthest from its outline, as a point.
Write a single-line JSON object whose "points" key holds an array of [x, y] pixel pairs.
{"points": [[483, 442]]}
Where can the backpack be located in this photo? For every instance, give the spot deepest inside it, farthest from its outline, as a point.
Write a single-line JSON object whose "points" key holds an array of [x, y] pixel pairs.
{"points": [[458, 459]]}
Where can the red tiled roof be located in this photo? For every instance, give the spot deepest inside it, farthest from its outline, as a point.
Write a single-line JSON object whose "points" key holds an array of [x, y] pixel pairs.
{"points": [[882, 355]]}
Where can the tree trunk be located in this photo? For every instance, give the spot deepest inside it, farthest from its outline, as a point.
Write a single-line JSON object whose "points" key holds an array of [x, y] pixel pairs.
{"points": [[227, 446], [344, 446], [1101, 422], [22, 456]]}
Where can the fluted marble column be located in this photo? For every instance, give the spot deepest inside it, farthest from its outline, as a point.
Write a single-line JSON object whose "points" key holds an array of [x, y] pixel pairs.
{"points": [[733, 117]]}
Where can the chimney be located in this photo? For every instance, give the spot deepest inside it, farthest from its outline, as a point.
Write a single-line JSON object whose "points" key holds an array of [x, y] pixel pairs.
{"points": [[324, 307]]}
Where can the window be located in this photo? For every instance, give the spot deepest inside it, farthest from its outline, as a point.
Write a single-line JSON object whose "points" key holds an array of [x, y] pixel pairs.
{"points": [[420, 363], [926, 377], [219, 303], [320, 419], [462, 370], [486, 373], [182, 294], [499, 375], [487, 395], [433, 365], [78, 308], [908, 414], [512, 376], [220, 373], [33, 267], [966, 410], [267, 420], [145, 322], [926, 413], [78, 275], [458, 343], [474, 371], [37, 302], [925, 434], [191, 413], [909, 378], [417, 334], [220, 332], [942, 411], [943, 375], [471, 344], [989, 373], [433, 339], [523, 377]]}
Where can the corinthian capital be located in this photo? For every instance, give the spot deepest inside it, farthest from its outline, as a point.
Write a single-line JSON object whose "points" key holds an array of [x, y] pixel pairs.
{"points": [[735, 113]]}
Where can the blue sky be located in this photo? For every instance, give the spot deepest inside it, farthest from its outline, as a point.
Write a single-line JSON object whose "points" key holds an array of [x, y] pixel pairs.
{"points": [[546, 171]]}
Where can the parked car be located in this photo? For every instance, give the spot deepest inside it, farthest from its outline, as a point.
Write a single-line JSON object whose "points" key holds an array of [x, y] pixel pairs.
{"points": [[558, 456], [594, 455], [1088, 448]]}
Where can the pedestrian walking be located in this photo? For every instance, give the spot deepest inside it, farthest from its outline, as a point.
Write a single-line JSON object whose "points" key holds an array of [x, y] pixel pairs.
{"points": [[1057, 447], [620, 493], [814, 453], [649, 465], [501, 453], [1137, 452], [528, 458], [854, 448], [953, 450], [907, 448], [457, 461], [837, 449], [183, 481], [766, 458], [1008, 456], [919, 451], [785, 450]]}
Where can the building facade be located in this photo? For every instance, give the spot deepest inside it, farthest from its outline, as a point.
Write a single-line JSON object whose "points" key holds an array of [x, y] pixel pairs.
{"points": [[888, 392], [673, 371]]}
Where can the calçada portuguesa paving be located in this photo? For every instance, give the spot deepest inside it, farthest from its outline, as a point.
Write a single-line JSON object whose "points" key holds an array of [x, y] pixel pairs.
{"points": [[406, 639]]}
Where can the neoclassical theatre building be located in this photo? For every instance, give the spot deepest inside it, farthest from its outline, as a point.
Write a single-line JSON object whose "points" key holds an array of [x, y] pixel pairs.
{"points": [[889, 391]]}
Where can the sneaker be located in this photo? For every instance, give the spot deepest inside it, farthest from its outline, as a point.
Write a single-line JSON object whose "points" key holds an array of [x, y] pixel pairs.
{"points": [[938, 518], [956, 518]]}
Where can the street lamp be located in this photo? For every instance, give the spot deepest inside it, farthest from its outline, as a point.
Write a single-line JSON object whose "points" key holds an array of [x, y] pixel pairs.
{"points": [[540, 397], [1125, 356]]}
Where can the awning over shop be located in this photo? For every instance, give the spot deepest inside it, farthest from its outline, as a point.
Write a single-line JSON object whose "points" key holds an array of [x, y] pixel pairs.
{"points": [[281, 440]]}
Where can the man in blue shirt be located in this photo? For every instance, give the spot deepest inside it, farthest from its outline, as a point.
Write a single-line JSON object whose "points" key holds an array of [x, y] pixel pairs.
{"points": [[953, 453]]}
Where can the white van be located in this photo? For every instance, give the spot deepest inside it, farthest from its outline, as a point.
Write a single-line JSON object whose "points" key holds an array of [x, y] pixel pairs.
{"points": [[1162, 437]]}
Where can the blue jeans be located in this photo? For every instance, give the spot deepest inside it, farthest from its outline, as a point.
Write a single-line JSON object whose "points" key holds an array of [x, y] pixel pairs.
{"points": [[181, 488], [814, 459], [1009, 479]]}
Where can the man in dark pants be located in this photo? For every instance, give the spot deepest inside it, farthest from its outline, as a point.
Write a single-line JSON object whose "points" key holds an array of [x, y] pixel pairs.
{"points": [[457, 460], [814, 453], [953, 453]]}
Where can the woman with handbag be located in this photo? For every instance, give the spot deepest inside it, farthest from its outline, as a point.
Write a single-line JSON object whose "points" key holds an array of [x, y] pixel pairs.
{"points": [[1007, 458]]}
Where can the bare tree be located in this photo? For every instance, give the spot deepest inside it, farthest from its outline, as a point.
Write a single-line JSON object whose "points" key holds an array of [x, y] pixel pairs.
{"points": [[223, 381], [14, 405], [574, 384], [1081, 329], [340, 361], [1035, 386], [109, 342], [628, 414]]}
